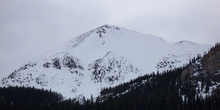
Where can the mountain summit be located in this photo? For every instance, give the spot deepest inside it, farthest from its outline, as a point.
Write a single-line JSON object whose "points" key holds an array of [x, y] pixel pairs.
{"points": [[103, 57]]}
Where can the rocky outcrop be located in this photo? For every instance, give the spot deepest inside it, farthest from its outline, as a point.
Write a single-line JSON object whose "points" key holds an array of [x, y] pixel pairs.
{"points": [[209, 64], [187, 71], [203, 73], [111, 68], [211, 61]]}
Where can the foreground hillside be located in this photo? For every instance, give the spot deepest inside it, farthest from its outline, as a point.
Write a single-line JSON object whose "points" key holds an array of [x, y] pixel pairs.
{"points": [[151, 92]]}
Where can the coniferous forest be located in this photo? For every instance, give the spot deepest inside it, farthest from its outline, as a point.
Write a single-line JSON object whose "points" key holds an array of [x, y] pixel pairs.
{"points": [[160, 91]]}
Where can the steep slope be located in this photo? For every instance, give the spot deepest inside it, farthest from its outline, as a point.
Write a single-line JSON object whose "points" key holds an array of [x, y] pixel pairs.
{"points": [[163, 91], [211, 61], [196, 84], [204, 72], [103, 57]]}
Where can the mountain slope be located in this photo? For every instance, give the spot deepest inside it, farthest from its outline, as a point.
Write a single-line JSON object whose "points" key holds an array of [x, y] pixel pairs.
{"points": [[194, 86], [105, 56], [204, 72]]}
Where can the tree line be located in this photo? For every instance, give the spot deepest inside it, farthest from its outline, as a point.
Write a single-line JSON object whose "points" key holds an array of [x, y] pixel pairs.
{"points": [[163, 91]]}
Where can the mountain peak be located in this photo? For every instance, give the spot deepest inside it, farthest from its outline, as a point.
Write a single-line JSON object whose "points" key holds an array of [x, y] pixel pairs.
{"points": [[107, 26], [98, 32], [104, 28]]}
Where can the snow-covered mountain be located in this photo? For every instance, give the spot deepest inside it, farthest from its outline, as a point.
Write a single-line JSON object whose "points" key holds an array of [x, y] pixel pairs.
{"points": [[103, 57]]}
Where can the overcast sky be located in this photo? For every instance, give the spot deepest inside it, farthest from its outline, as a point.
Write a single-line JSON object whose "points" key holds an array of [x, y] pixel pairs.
{"points": [[29, 26]]}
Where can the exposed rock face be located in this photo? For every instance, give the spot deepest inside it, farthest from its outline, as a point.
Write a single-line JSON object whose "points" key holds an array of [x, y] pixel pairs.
{"points": [[211, 61], [204, 72], [112, 68], [188, 70]]}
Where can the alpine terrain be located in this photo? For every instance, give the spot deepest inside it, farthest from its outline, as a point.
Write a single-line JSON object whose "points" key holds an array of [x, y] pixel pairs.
{"points": [[103, 57]]}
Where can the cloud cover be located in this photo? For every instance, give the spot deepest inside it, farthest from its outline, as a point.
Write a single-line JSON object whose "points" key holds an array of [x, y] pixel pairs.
{"points": [[30, 26]]}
